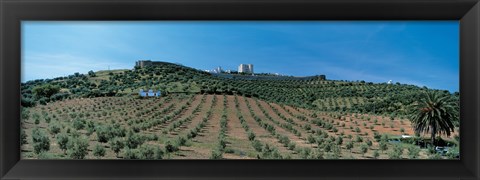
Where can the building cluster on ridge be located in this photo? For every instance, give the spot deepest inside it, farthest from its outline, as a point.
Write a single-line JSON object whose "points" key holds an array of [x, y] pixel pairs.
{"points": [[242, 68]]}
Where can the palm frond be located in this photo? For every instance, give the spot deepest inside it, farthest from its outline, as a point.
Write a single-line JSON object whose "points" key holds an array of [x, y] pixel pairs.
{"points": [[434, 112]]}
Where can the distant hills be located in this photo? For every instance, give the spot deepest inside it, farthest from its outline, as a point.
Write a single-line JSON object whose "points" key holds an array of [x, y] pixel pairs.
{"points": [[311, 92]]}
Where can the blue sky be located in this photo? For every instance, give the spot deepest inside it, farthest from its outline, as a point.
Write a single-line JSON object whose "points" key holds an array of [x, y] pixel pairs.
{"points": [[423, 53]]}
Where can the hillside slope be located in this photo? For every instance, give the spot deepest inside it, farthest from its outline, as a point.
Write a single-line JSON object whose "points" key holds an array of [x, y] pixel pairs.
{"points": [[310, 93], [193, 127]]}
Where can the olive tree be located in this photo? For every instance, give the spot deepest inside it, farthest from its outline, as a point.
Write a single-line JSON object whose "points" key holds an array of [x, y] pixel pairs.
{"points": [[376, 154], [23, 137], [41, 142], [349, 146], [77, 148], [116, 145], [364, 149], [62, 141], [99, 151]]}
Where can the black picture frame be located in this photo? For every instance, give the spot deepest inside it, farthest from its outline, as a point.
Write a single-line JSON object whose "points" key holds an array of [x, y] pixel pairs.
{"points": [[12, 12]]}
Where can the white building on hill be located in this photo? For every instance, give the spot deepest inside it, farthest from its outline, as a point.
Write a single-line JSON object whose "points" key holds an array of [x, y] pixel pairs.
{"points": [[245, 68]]}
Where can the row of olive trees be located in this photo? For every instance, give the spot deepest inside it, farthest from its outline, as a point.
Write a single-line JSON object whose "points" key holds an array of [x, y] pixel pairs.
{"points": [[75, 146]]}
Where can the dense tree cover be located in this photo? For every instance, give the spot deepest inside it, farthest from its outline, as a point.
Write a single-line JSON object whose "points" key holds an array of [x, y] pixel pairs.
{"points": [[311, 92], [45, 90]]}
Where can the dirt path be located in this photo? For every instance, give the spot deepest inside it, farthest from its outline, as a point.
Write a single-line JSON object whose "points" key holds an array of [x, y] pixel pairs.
{"points": [[279, 130], [236, 135], [299, 141], [198, 116], [309, 119], [158, 128], [202, 145], [261, 134], [184, 114]]}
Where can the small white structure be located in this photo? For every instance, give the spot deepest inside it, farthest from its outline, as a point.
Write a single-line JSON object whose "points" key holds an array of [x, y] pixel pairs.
{"points": [[150, 93], [219, 69], [406, 136], [142, 93], [389, 82]]}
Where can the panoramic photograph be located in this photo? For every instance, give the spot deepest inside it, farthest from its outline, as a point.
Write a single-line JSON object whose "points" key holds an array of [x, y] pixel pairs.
{"points": [[206, 90]]}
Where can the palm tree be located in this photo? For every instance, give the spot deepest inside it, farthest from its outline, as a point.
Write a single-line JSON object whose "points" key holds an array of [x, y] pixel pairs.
{"points": [[436, 113]]}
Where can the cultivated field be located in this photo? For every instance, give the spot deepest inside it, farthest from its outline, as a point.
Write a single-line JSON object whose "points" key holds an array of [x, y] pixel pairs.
{"points": [[182, 126]]}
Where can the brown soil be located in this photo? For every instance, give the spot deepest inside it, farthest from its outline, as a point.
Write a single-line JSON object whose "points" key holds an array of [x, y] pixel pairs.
{"points": [[125, 111], [206, 140]]}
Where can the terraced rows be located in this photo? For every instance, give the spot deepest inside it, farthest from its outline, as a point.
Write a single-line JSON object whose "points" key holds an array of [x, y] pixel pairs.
{"points": [[207, 127]]}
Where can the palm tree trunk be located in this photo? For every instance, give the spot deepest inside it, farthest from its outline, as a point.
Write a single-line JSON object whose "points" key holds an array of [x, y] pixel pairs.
{"points": [[433, 131]]}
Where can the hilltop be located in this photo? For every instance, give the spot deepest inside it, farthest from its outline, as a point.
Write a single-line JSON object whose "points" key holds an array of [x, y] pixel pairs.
{"points": [[310, 92]]}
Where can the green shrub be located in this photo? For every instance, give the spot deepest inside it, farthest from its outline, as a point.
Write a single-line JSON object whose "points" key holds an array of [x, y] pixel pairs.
{"points": [[27, 102], [413, 152], [364, 149], [41, 142], [146, 151], [305, 153], [62, 141], [284, 140], [169, 147], [257, 145], [310, 139], [369, 143], [267, 152], [99, 151], [316, 154], [54, 129], [181, 141], [23, 137], [358, 139], [134, 140], [158, 153], [116, 145], [103, 134], [376, 154], [307, 127], [349, 146], [222, 144], [339, 140], [383, 145], [78, 124], [396, 153], [453, 152], [216, 154], [251, 136], [77, 148], [130, 153], [47, 119], [45, 90], [435, 156], [291, 146]]}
